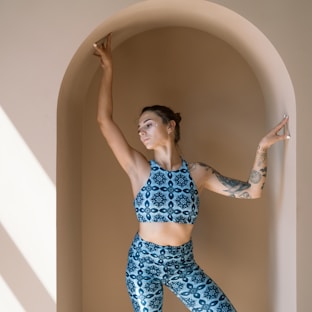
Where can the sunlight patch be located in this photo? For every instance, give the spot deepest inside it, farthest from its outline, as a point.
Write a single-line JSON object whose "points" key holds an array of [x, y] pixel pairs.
{"points": [[27, 206]]}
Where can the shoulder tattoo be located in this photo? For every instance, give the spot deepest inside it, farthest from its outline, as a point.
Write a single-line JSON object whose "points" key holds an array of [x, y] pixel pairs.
{"points": [[207, 167]]}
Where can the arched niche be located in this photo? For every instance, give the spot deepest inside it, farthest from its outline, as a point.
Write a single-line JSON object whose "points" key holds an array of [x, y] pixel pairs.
{"points": [[81, 220]]}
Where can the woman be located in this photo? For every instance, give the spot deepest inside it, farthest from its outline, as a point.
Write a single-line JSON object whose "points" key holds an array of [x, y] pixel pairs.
{"points": [[166, 191]]}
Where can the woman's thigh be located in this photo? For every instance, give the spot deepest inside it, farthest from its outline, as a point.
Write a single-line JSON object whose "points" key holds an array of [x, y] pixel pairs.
{"points": [[145, 290], [198, 291]]}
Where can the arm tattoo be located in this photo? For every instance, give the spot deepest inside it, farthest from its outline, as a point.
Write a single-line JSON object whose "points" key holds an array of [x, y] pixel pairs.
{"points": [[264, 174], [206, 167], [233, 187], [245, 195], [255, 177], [262, 157], [264, 171]]}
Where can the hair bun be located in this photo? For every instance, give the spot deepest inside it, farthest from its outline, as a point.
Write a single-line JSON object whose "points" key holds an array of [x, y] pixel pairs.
{"points": [[177, 117]]}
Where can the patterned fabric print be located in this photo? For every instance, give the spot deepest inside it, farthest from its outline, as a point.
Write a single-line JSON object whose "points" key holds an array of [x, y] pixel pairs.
{"points": [[168, 196], [151, 266]]}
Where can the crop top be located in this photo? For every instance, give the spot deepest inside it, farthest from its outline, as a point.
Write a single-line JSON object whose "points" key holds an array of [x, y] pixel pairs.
{"points": [[168, 196]]}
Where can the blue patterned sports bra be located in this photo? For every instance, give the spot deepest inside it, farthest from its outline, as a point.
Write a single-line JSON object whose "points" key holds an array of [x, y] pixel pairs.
{"points": [[168, 196]]}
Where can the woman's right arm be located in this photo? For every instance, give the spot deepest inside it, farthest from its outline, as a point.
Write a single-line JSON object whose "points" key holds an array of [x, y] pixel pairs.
{"points": [[128, 157]]}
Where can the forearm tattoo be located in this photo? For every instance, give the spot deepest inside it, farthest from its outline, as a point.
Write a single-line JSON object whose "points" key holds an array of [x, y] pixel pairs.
{"points": [[233, 187], [255, 177], [262, 163], [261, 157]]}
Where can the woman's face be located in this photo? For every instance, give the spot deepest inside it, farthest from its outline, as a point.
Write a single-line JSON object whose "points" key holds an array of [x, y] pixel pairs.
{"points": [[152, 131]]}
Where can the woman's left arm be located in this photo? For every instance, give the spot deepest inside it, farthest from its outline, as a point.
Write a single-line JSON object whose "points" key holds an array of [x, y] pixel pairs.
{"points": [[251, 189]]}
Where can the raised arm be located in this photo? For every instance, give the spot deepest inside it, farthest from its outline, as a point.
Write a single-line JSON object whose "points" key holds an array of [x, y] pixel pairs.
{"points": [[252, 188], [128, 158]]}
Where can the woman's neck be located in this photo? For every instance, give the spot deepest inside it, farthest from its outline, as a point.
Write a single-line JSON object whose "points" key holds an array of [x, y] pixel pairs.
{"points": [[168, 160]]}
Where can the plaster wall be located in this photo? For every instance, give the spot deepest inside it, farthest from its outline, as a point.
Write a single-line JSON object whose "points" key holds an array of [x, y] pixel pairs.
{"points": [[213, 131], [38, 42], [275, 85]]}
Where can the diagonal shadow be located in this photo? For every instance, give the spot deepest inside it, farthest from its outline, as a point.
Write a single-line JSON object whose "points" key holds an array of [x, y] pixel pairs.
{"points": [[21, 279], [27, 127]]}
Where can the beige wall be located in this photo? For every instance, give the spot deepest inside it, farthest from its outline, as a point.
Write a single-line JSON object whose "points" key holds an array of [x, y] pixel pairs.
{"points": [[287, 26], [219, 98], [35, 52], [278, 97]]}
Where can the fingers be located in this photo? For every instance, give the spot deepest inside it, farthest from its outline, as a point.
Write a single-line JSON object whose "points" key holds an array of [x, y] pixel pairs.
{"points": [[98, 49], [109, 41], [103, 50], [283, 121], [282, 125], [103, 44], [275, 134]]}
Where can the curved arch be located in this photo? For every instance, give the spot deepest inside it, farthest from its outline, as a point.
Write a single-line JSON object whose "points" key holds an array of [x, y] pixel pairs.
{"points": [[279, 96]]}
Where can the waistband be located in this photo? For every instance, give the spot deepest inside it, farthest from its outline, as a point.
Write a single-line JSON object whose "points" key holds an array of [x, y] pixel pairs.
{"points": [[140, 240], [141, 248]]}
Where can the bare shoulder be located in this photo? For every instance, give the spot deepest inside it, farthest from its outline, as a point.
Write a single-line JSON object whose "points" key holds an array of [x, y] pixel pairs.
{"points": [[199, 172], [200, 168]]}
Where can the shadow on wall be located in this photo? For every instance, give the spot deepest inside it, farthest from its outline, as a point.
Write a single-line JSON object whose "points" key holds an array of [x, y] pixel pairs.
{"points": [[90, 182], [21, 279]]}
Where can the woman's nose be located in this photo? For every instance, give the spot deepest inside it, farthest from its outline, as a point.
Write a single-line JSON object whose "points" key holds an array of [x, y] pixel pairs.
{"points": [[142, 132]]}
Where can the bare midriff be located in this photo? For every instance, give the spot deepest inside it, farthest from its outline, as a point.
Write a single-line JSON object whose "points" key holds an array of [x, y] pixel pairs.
{"points": [[166, 233]]}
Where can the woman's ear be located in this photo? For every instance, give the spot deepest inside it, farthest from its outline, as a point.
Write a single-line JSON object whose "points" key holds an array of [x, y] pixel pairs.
{"points": [[171, 126]]}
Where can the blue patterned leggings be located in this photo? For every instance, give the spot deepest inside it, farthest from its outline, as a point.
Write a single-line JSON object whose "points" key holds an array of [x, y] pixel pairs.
{"points": [[151, 266]]}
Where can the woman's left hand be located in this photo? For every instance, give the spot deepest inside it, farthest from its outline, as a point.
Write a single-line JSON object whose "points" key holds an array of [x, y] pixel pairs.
{"points": [[104, 52], [273, 136]]}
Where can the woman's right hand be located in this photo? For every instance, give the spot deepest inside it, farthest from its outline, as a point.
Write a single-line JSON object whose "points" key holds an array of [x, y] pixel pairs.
{"points": [[273, 136], [104, 52]]}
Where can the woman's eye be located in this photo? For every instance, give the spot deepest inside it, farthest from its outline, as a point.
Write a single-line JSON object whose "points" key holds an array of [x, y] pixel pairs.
{"points": [[146, 127]]}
